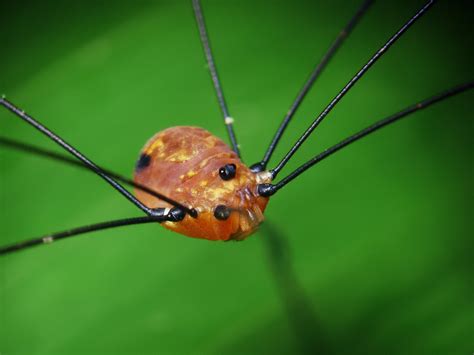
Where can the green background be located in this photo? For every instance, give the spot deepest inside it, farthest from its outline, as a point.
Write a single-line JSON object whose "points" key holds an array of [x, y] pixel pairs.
{"points": [[368, 253]]}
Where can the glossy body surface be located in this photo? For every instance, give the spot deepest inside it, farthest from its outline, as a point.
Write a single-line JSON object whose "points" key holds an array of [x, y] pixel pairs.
{"points": [[183, 163]]}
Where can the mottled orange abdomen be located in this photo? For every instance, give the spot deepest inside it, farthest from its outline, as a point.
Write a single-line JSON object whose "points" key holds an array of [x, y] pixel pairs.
{"points": [[183, 163]]}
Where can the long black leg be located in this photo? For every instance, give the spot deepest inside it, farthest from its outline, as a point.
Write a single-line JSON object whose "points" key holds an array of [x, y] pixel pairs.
{"points": [[270, 189], [262, 165], [351, 83], [92, 166], [28, 148], [228, 120], [161, 216]]}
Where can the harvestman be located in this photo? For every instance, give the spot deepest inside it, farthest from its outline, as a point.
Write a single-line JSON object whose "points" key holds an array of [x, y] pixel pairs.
{"points": [[207, 191]]}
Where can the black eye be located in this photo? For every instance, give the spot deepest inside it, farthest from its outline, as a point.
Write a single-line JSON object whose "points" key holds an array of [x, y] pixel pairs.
{"points": [[227, 172], [222, 212]]}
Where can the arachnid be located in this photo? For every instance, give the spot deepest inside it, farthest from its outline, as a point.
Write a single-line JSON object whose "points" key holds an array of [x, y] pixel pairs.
{"points": [[378, 235], [194, 184], [201, 171]]}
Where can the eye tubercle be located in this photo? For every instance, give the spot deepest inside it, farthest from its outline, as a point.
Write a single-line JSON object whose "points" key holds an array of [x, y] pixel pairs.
{"points": [[227, 172]]}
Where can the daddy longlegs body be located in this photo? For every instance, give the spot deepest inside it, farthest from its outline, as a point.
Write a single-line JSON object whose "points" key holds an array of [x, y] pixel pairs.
{"points": [[292, 122]]}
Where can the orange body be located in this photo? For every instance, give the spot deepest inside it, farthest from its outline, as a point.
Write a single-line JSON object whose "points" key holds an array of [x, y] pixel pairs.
{"points": [[183, 163]]}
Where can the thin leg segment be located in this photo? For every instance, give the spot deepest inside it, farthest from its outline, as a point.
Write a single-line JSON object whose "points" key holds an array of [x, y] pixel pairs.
{"points": [[87, 162], [48, 239], [349, 85], [228, 120], [28, 148], [270, 189], [309, 83]]}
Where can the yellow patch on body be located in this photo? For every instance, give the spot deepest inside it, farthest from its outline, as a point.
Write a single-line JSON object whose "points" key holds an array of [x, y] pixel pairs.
{"points": [[156, 145], [179, 157]]}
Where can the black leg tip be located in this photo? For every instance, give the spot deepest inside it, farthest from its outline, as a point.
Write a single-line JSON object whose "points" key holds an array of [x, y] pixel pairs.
{"points": [[266, 190], [176, 214], [257, 168]]}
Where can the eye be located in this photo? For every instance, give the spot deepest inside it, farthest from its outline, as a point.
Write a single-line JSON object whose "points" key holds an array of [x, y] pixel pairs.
{"points": [[222, 212], [227, 172]]}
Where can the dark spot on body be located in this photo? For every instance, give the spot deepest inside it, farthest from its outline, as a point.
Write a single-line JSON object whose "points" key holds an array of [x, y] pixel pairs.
{"points": [[143, 162]]}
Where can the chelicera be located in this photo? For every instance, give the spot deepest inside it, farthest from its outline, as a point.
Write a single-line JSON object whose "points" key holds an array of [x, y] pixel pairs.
{"points": [[192, 182]]}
